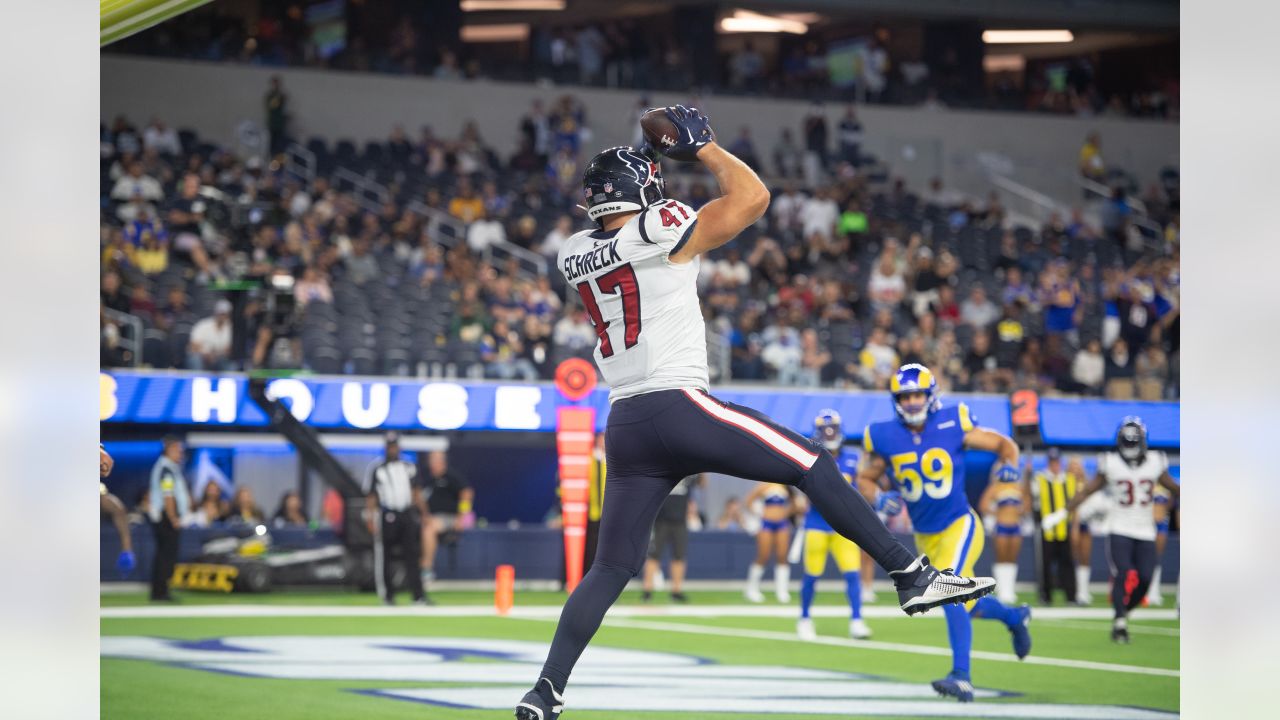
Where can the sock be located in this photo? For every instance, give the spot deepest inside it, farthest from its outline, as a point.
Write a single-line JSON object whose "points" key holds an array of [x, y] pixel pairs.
{"points": [[1154, 589], [990, 608], [853, 589], [808, 588], [781, 578], [850, 514], [1006, 574], [1122, 623], [960, 633], [581, 617], [753, 576], [1082, 579]]}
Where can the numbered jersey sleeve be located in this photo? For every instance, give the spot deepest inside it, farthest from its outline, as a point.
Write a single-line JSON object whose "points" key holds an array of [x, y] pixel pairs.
{"points": [[668, 225]]}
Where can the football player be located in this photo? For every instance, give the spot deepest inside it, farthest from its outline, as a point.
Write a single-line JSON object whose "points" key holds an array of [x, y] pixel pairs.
{"points": [[1131, 475], [110, 505], [922, 454], [637, 275], [820, 539]]}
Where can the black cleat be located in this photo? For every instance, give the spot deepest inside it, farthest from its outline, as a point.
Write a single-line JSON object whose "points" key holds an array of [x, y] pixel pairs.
{"points": [[679, 597], [922, 587], [646, 596], [540, 703], [1120, 635]]}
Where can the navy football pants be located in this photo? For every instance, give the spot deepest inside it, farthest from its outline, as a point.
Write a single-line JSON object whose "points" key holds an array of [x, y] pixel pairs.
{"points": [[654, 440], [1125, 554]]}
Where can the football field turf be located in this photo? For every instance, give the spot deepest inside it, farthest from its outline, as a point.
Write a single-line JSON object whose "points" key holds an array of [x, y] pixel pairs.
{"points": [[338, 655]]}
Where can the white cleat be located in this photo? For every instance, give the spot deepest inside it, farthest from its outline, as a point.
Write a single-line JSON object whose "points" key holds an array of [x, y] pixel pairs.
{"points": [[1155, 600], [804, 629], [868, 595], [858, 629], [783, 596], [753, 595]]}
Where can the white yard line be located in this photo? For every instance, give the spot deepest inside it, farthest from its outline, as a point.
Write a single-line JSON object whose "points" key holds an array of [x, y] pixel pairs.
{"points": [[553, 611], [1105, 625], [887, 646]]}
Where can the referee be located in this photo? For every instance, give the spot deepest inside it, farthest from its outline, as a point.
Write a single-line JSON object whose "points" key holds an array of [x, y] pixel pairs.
{"points": [[1051, 490], [169, 502], [395, 510]]}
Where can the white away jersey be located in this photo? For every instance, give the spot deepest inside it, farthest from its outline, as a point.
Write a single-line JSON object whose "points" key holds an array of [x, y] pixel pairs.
{"points": [[644, 307], [1132, 490]]}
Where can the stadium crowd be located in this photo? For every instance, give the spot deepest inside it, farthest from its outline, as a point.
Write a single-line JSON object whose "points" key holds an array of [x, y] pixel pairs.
{"points": [[211, 261], [871, 64]]}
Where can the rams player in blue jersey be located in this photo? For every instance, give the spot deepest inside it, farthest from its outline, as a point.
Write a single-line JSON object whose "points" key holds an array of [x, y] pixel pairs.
{"points": [[820, 540], [922, 452]]}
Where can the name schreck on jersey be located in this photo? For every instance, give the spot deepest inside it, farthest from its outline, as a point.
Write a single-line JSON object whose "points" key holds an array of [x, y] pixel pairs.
{"points": [[602, 256]]}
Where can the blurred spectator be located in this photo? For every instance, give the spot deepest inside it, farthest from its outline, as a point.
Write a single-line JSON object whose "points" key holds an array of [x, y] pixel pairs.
{"points": [[1120, 372], [313, 287], [819, 214], [746, 68], [277, 106], [290, 513], [243, 508], [449, 495], [786, 155], [980, 364], [878, 361], [573, 333], [886, 287], [503, 353], [555, 238], [210, 344], [813, 359], [211, 507], [448, 68], [782, 353], [946, 308], [815, 144], [1151, 372], [977, 310], [1088, 369], [851, 137], [1091, 164], [160, 138], [136, 184], [745, 150], [731, 517], [484, 231]]}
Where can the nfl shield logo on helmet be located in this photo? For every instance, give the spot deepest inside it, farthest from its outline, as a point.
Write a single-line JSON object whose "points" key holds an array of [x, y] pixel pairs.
{"points": [[608, 188]]}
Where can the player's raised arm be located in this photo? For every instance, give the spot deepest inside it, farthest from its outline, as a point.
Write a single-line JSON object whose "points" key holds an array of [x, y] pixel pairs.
{"points": [[1099, 480], [744, 197]]}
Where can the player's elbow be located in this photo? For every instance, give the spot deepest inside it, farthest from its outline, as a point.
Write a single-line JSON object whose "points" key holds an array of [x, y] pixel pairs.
{"points": [[758, 202]]}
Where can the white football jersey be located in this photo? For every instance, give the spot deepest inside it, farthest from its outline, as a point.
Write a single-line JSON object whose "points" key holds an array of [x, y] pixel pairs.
{"points": [[644, 307], [1132, 491]]}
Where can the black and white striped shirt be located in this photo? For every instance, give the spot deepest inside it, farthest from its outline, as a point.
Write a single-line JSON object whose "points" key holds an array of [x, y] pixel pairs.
{"points": [[393, 482]]}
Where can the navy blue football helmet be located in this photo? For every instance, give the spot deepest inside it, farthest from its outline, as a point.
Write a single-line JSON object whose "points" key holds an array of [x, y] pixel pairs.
{"points": [[1131, 439], [621, 179]]}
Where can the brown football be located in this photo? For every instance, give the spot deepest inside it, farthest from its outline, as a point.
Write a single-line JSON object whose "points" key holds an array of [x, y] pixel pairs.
{"points": [[659, 130]]}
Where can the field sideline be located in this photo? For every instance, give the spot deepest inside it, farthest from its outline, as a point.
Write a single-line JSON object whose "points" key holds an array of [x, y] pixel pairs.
{"points": [[325, 654]]}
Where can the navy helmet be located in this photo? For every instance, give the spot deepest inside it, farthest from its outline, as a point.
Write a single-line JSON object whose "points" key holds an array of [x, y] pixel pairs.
{"points": [[621, 179], [1131, 439]]}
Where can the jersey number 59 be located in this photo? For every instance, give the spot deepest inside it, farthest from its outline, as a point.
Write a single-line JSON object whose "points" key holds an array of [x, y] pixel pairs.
{"points": [[621, 279], [936, 466]]}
